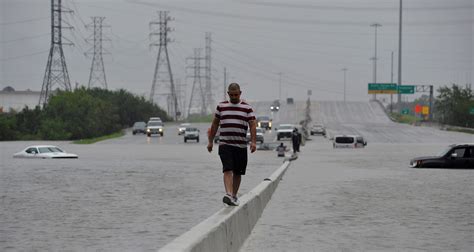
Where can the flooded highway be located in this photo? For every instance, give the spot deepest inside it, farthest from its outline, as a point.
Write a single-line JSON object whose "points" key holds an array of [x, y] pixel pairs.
{"points": [[137, 193], [133, 193]]}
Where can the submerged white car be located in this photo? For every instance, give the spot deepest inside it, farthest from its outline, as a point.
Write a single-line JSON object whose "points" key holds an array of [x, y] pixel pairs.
{"points": [[43, 151]]}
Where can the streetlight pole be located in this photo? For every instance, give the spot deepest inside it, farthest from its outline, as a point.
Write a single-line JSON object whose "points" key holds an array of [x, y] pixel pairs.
{"points": [[391, 81], [345, 70], [375, 55], [225, 83], [279, 96], [399, 56]]}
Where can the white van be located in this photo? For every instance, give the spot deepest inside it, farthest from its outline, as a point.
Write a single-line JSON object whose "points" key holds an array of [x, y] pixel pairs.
{"points": [[349, 141]]}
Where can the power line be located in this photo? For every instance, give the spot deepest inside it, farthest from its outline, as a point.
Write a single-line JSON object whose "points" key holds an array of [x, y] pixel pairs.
{"points": [[264, 73], [23, 56], [293, 20], [25, 21], [25, 38], [355, 8]]}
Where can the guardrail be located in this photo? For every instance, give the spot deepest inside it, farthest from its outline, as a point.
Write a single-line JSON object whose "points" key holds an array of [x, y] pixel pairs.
{"points": [[228, 229]]}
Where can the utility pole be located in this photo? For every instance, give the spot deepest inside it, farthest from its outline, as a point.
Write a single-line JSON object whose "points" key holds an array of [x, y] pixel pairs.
{"points": [[181, 93], [209, 97], [225, 83], [193, 103], [97, 73], [391, 81], [164, 60], [344, 70], [400, 56], [56, 71], [279, 96], [375, 56]]}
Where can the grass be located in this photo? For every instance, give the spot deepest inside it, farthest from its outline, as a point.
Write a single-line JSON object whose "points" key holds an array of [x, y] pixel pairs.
{"points": [[464, 130], [98, 139], [408, 119], [199, 118]]}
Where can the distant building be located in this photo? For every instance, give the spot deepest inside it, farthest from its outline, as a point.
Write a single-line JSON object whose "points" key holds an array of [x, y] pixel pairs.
{"points": [[11, 100]]}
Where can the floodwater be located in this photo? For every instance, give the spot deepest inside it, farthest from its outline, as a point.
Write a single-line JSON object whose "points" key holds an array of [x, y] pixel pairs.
{"points": [[137, 193], [367, 200], [128, 194]]}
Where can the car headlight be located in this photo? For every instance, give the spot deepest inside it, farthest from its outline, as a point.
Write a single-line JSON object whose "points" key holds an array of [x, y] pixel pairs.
{"points": [[415, 164], [147, 130], [270, 124], [259, 124], [160, 130]]}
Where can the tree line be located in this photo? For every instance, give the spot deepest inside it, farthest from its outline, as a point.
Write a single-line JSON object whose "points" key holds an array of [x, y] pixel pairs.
{"points": [[455, 106], [79, 114], [452, 106]]}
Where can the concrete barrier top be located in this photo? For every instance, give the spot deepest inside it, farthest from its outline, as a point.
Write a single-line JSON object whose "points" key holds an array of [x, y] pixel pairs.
{"points": [[227, 229]]}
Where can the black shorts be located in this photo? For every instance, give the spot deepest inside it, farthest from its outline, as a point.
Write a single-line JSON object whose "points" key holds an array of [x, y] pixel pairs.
{"points": [[233, 159]]}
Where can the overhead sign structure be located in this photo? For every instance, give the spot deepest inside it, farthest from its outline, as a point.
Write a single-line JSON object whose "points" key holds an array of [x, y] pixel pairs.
{"points": [[382, 88], [390, 88], [406, 89]]}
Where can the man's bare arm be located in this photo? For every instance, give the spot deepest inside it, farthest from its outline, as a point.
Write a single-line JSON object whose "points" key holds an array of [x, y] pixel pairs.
{"points": [[253, 136], [214, 127]]}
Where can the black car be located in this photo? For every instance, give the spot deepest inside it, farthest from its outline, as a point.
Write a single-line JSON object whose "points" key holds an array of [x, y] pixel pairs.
{"points": [[139, 127], [455, 156]]}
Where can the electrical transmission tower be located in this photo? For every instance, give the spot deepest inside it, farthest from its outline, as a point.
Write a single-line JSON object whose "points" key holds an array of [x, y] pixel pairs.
{"points": [[97, 74], [209, 98], [196, 94], [56, 71], [164, 61]]}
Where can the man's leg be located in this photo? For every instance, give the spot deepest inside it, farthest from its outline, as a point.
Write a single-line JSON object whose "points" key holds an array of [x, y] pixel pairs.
{"points": [[236, 184], [228, 181]]}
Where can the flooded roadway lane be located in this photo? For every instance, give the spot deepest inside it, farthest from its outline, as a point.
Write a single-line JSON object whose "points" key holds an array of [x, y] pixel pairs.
{"points": [[128, 194]]}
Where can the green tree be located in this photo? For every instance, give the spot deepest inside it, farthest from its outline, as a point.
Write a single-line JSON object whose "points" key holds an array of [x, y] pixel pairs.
{"points": [[80, 115], [8, 127], [28, 122], [453, 106]]}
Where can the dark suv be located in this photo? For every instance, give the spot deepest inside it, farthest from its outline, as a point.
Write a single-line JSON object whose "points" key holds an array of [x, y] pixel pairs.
{"points": [[454, 156], [139, 127]]}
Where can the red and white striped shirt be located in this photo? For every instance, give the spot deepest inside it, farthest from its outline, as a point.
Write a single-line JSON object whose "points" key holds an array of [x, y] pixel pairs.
{"points": [[234, 120]]}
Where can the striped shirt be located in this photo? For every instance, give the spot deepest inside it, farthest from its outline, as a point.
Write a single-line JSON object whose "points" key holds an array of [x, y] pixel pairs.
{"points": [[234, 120]]}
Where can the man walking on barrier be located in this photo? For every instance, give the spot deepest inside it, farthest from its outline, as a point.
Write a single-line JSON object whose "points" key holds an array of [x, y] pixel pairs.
{"points": [[233, 117]]}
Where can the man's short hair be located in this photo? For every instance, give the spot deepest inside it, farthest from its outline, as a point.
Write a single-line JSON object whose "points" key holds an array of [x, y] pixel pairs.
{"points": [[233, 87]]}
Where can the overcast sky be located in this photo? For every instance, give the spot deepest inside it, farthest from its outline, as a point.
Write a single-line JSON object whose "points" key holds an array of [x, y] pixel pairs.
{"points": [[309, 42]]}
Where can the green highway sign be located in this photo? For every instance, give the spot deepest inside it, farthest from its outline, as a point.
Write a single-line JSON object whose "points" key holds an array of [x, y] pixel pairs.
{"points": [[406, 89], [471, 111], [405, 111], [382, 88]]}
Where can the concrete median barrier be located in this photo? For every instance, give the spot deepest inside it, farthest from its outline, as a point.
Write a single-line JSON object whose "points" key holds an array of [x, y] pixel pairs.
{"points": [[227, 229]]}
